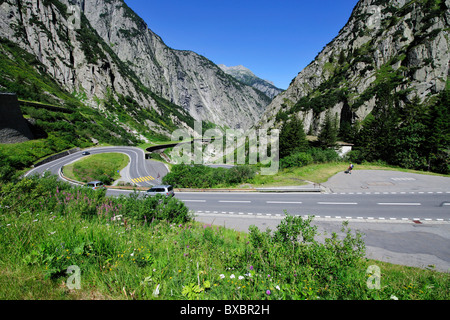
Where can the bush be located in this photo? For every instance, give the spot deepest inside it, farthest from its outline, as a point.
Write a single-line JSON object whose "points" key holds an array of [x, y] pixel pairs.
{"points": [[355, 156], [146, 210], [239, 174], [47, 193], [324, 155], [293, 248], [199, 176], [299, 159]]}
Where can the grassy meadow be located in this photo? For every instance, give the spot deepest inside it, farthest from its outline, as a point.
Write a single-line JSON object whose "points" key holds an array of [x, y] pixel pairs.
{"points": [[105, 167]]}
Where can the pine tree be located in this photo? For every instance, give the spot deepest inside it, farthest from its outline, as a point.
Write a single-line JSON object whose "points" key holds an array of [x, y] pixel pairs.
{"points": [[292, 138], [328, 133], [438, 134]]}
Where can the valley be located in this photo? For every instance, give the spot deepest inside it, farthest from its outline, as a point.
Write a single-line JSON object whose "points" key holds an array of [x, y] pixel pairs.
{"points": [[89, 86]]}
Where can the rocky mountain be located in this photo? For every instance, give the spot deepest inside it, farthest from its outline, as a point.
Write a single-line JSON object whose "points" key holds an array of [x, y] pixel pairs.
{"points": [[397, 50], [53, 54], [102, 53], [246, 76], [182, 77]]}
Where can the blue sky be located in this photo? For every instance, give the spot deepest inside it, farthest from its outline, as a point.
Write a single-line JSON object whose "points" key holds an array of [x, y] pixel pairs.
{"points": [[274, 39]]}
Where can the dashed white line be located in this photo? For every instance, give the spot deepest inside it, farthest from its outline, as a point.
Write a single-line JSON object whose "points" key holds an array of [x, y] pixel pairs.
{"points": [[398, 204], [270, 215], [337, 203], [282, 202], [233, 201]]}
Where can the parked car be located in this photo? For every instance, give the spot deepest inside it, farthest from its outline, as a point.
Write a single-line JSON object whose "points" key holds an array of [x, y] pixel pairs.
{"points": [[95, 185], [165, 190], [86, 153]]}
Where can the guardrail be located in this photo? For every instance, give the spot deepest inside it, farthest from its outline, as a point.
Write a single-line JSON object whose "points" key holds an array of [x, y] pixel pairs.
{"points": [[56, 157], [44, 106]]}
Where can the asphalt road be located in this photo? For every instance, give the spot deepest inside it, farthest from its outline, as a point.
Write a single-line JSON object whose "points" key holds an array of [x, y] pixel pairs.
{"points": [[363, 195], [142, 172], [426, 207]]}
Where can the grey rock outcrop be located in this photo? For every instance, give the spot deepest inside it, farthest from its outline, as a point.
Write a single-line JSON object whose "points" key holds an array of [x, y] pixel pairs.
{"points": [[182, 77], [101, 50], [405, 41], [13, 127], [72, 54]]}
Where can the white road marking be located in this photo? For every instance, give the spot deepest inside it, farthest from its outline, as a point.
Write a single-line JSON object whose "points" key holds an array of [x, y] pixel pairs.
{"points": [[398, 204], [282, 202], [338, 203]]}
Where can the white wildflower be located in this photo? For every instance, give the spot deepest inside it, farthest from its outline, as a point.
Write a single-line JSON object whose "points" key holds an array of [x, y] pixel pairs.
{"points": [[156, 292]]}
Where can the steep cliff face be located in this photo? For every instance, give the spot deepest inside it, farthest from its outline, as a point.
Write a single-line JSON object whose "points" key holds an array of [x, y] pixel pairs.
{"points": [[399, 48], [183, 77], [69, 50], [104, 54]]}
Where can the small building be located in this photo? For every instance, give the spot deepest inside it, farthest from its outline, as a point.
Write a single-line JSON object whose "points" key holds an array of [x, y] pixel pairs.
{"points": [[344, 148]]}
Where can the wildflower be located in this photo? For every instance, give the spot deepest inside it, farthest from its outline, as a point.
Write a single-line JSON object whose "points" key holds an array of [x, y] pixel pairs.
{"points": [[222, 276], [156, 292], [52, 233], [251, 268], [393, 297], [268, 292], [278, 288], [241, 278], [232, 276]]}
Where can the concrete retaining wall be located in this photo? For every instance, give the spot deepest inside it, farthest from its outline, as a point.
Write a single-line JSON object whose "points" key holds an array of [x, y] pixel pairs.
{"points": [[13, 127]]}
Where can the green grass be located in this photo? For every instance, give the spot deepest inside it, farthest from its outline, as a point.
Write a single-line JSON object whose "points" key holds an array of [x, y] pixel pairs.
{"points": [[96, 167]]}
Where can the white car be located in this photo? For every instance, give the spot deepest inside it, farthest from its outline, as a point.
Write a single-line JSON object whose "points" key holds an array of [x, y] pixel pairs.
{"points": [[165, 190], [95, 185]]}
